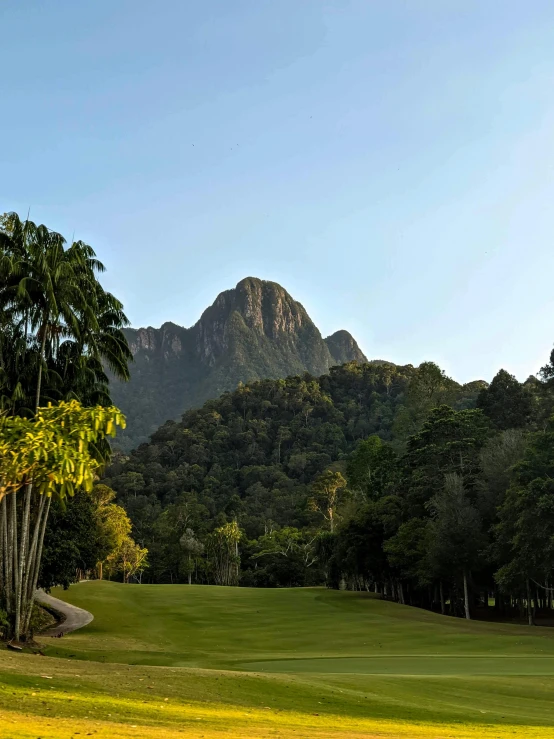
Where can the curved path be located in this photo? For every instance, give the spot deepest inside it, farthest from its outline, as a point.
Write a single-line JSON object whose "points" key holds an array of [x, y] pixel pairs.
{"points": [[74, 618]]}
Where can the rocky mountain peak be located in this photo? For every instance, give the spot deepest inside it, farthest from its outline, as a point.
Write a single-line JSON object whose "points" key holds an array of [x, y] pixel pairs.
{"points": [[344, 348], [252, 332], [262, 307]]}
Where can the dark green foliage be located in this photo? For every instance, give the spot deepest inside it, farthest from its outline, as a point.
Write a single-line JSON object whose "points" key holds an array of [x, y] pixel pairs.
{"points": [[281, 558], [408, 552], [429, 389], [525, 533], [73, 541], [498, 457], [254, 453], [359, 555], [506, 402], [59, 329], [547, 372], [466, 502], [449, 442], [457, 537], [372, 469]]}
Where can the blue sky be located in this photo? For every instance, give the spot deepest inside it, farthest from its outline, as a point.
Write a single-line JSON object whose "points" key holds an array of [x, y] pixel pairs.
{"points": [[391, 163]]}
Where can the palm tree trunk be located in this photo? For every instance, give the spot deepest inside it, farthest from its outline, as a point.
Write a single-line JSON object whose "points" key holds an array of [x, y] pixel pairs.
{"points": [[28, 589], [15, 564], [21, 603], [38, 557], [9, 557], [3, 554], [39, 380], [21, 575], [6, 556]]}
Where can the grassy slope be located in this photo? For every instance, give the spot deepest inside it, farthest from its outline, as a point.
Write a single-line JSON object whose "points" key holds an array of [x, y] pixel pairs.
{"points": [[217, 662]]}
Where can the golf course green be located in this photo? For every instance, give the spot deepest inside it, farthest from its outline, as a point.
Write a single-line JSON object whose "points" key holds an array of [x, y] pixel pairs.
{"points": [[174, 660]]}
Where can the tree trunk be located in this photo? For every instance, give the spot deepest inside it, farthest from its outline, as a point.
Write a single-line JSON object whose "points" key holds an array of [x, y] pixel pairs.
{"points": [[38, 559], [39, 380], [28, 589], [6, 561], [466, 596], [21, 602], [15, 564], [530, 617], [441, 591]]}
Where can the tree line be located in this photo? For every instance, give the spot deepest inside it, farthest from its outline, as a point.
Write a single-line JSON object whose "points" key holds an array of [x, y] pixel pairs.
{"points": [[395, 479], [252, 456]]}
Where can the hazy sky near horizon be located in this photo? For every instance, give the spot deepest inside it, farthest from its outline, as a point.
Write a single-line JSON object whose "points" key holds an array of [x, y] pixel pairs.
{"points": [[390, 163]]}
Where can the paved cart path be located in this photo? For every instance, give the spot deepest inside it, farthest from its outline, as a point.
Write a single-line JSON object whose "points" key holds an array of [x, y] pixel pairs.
{"points": [[74, 618]]}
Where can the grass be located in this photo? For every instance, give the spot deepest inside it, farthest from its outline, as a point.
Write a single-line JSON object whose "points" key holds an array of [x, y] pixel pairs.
{"points": [[173, 661]]}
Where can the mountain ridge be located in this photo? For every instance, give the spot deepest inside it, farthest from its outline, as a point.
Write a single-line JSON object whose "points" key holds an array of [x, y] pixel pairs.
{"points": [[251, 332]]}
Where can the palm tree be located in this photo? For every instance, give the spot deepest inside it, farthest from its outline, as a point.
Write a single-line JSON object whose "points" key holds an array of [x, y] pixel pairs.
{"points": [[58, 330]]}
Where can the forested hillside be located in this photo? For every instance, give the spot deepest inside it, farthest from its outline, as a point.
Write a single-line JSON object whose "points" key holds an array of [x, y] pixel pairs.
{"points": [[252, 332], [252, 455], [394, 478]]}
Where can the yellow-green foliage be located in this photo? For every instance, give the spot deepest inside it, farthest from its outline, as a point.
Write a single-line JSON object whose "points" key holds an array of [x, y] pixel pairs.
{"points": [[53, 449]]}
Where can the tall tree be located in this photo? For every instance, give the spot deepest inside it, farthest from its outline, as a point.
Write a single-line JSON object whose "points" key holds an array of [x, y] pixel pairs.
{"points": [[429, 388], [193, 549], [449, 442], [525, 532], [499, 455], [74, 541], [506, 402], [457, 536], [223, 551], [55, 312], [325, 493], [372, 469]]}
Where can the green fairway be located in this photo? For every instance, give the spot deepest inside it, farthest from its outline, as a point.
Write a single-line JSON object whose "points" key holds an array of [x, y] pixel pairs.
{"points": [[301, 662], [400, 665], [198, 626]]}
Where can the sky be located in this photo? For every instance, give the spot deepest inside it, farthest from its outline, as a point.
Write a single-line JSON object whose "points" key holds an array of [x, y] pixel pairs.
{"points": [[389, 162]]}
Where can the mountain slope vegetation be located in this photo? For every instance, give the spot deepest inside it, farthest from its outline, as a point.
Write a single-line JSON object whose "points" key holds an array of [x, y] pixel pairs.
{"points": [[252, 455]]}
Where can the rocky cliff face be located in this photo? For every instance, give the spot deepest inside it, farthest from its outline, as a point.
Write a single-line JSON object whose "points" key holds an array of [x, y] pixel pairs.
{"points": [[343, 348], [168, 340], [255, 331]]}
